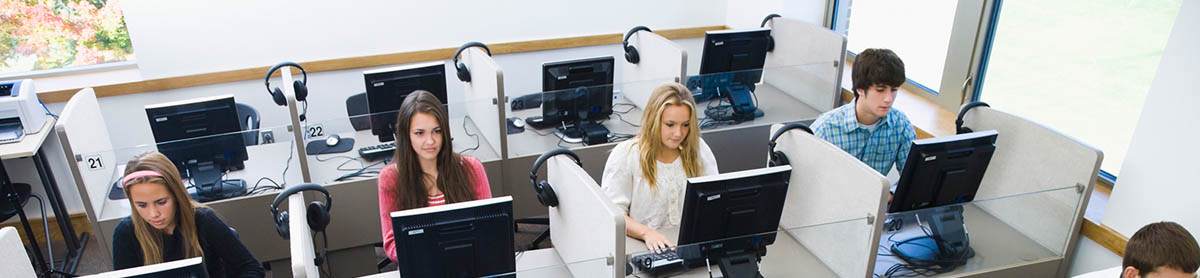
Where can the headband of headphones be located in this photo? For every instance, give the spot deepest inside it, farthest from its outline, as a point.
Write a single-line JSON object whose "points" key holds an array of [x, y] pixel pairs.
{"points": [[267, 79], [768, 19], [464, 47], [298, 188], [546, 156], [625, 41]]}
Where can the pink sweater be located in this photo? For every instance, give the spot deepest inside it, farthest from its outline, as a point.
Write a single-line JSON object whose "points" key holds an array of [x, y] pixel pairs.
{"points": [[388, 202]]}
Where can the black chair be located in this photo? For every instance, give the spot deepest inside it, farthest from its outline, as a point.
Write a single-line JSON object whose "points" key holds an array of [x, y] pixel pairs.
{"points": [[7, 209], [248, 120], [537, 221], [356, 108]]}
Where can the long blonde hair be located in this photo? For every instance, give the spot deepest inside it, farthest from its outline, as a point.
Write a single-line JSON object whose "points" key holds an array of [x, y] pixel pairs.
{"points": [[149, 237], [649, 138]]}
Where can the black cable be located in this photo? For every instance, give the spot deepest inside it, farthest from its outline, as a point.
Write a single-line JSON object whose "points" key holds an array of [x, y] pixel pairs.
{"points": [[464, 125], [45, 225]]}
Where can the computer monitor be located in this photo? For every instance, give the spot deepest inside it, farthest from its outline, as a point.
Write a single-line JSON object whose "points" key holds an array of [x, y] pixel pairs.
{"points": [[575, 93], [189, 268], [387, 88], [203, 138], [940, 171], [730, 218], [467, 239], [730, 67]]}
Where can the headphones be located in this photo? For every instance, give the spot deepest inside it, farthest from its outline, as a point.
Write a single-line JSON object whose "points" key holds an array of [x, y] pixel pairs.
{"points": [[777, 157], [297, 85], [545, 193], [770, 39], [631, 53], [958, 122], [318, 213], [463, 73]]}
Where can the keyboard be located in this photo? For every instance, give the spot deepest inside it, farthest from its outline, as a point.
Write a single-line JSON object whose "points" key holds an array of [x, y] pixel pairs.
{"points": [[657, 262], [376, 152]]}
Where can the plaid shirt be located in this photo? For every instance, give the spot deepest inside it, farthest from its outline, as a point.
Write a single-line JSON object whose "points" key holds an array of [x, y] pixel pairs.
{"points": [[889, 143]]}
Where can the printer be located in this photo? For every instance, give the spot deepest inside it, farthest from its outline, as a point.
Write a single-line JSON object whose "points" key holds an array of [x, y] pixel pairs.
{"points": [[20, 111]]}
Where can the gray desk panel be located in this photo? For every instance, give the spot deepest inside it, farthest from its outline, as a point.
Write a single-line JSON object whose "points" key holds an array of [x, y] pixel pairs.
{"points": [[999, 249], [532, 263], [785, 258]]}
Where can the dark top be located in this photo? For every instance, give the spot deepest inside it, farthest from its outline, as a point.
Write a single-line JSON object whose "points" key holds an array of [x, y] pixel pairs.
{"points": [[224, 253]]}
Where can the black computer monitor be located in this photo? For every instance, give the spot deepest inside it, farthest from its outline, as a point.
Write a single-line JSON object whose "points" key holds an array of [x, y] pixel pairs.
{"points": [[943, 170], [467, 239], [387, 88], [730, 218], [203, 138], [575, 93]]}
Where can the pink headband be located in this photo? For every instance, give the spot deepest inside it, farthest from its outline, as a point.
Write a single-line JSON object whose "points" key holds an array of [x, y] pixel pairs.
{"points": [[139, 174]]}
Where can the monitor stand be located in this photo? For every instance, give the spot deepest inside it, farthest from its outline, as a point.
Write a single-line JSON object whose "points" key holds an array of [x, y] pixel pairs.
{"points": [[948, 244], [209, 185], [740, 264], [741, 97]]}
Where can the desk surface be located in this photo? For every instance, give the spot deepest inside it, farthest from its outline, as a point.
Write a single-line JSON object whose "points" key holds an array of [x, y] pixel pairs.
{"points": [[533, 263], [29, 145], [777, 107], [996, 245], [785, 258]]}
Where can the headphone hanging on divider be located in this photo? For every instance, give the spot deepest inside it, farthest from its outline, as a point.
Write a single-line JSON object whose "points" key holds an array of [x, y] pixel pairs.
{"points": [[545, 192], [300, 86], [958, 122], [770, 39], [464, 74], [631, 53], [318, 213], [777, 157]]}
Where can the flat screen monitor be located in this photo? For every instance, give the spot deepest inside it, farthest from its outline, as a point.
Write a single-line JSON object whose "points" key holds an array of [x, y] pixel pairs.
{"points": [[577, 90], [732, 214], [201, 136], [740, 52], [943, 170], [387, 88], [467, 239]]}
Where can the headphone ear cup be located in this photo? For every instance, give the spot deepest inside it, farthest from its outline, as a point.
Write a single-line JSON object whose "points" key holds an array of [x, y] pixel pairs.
{"points": [[464, 74], [770, 43], [318, 217], [301, 90], [546, 194], [631, 54], [281, 224], [779, 159], [277, 96]]}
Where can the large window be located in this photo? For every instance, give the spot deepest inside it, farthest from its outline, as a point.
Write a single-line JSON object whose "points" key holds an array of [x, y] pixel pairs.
{"points": [[918, 31], [1080, 67], [51, 34]]}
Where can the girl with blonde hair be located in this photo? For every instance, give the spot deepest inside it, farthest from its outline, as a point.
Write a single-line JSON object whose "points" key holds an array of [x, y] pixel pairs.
{"points": [[646, 176]]}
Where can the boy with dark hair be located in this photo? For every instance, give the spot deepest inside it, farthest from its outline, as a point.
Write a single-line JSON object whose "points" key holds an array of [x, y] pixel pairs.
{"points": [[868, 128], [1163, 249]]}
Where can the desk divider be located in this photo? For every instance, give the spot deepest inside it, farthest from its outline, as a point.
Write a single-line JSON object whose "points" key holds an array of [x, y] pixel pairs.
{"points": [[487, 83], [661, 59], [1030, 157], [801, 43], [84, 138], [828, 185], [585, 225]]}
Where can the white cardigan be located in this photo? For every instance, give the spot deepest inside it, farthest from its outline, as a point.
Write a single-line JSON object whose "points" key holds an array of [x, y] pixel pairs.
{"points": [[658, 207]]}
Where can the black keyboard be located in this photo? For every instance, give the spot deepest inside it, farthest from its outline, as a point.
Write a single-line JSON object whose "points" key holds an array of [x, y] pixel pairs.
{"points": [[376, 152], [657, 262]]}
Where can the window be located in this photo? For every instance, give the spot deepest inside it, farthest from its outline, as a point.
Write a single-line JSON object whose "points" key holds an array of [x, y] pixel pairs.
{"points": [[51, 34], [918, 31], [1080, 67]]}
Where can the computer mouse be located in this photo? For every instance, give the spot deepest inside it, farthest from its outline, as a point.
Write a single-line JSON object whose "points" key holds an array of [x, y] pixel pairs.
{"points": [[332, 140], [518, 122]]}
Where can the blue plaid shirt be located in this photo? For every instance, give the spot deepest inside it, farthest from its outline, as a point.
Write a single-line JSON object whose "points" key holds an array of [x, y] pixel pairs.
{"points": [[888, 144]]}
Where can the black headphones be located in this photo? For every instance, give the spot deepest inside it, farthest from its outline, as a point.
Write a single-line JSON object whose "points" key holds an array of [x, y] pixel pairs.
{"points": [[318, 213], [777, 157], [545, 193], [770, 39], [298, 85], [631, 53], [958, 122], [463, 73]]}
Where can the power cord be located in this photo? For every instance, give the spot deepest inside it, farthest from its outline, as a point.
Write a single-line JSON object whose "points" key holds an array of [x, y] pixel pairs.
{"points": [[468, 132], [46, 225]]}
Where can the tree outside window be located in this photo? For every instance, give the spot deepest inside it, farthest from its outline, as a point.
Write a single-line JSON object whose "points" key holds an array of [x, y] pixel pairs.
{"points": [[51, 34]]}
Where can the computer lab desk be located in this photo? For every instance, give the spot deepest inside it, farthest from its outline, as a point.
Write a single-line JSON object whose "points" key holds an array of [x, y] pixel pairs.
{"points": [[785, 258], [533, 263]]}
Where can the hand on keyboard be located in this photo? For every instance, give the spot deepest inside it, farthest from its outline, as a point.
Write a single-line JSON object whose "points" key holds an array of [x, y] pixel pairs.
{"points": [[657, 242]]}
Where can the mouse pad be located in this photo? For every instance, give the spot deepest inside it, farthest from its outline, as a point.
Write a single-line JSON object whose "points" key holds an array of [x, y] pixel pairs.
{"points": [[316, 147]]}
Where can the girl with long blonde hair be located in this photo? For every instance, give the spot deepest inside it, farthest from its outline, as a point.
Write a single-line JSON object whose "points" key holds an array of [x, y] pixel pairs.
{"points": [[646, 176], [167, 225]]}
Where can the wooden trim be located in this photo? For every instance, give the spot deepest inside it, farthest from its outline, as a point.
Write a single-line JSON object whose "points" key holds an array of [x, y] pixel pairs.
{"points": [[79, 220], [1105, 236], [360, 62]]}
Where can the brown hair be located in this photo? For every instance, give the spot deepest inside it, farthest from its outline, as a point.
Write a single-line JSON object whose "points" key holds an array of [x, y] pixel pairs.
{"points": [[452, 178], [876, 66], [149, 237], [1165, 244], [649, 138]]}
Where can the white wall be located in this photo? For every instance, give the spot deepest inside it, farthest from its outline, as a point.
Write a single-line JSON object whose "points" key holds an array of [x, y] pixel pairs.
{"points": [[750, 13], [173, 38], [1158, 178]]}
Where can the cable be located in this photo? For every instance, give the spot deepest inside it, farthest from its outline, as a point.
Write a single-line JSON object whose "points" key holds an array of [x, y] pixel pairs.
{"points": [[45, 225], [468, 132], [47, 109]]}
